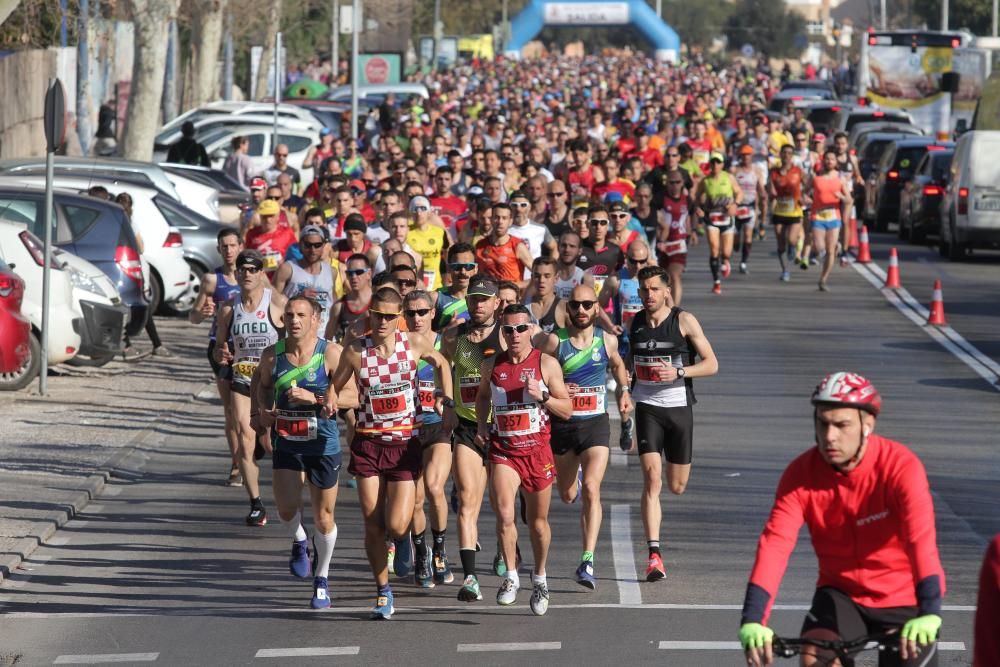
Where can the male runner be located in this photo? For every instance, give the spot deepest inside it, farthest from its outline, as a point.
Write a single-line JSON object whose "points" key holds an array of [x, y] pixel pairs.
{"points": [[664, 341], [870, 514], [385, 452], [517, 383], [428, 239], [217, 288], [353, 306], [786, 213], [547, 309], [293, 379], [585, 353], [449, 302], [600, 257], [716, 198], [270, 238], [568, 274], [753, 205], [500, 255], [254, 322], [674, 233], [312, 275]]}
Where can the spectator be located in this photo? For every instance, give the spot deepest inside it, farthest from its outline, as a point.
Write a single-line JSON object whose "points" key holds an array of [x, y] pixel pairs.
{"points": [[188, 150], [238, 164]]}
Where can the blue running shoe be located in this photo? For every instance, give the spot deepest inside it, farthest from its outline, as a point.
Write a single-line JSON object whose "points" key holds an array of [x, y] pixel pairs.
{"points": [[585, 575], [383, 610], [299, 564], [321, 594], [499, 565], [403, 556], [625, 441]]}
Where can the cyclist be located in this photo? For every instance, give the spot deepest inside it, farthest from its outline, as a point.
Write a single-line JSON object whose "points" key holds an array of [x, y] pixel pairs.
{"points": [[868, 506], [716, 198]]}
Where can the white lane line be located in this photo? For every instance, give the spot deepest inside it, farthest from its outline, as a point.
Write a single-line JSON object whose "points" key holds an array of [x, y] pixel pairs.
{"points": [[111, 491], [727, 646], [509, 646], [307, 652], [99, 658], [58, 541], [94, 509], [623, 556]]}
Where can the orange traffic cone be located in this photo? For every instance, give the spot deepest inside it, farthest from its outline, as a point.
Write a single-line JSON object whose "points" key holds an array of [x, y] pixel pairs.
{"points": [[892, 275], [852, 234], [936, 316], [864, 249]]}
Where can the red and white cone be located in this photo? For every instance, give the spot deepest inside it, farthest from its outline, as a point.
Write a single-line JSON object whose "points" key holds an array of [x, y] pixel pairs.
{"points": [[936, 316], [864, 248], [892, 275]]}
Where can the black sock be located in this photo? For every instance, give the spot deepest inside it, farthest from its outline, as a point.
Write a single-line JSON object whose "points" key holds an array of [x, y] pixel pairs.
{"points": [[654, 547], [745, 253], [256, 503], [438, 540], [468, 557], [713, 263], [420, 545]]}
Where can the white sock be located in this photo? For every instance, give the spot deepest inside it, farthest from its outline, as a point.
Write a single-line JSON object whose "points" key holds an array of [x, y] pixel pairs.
{"points": [[294, 527], [324, 551], [513, 576], [538, 579]]}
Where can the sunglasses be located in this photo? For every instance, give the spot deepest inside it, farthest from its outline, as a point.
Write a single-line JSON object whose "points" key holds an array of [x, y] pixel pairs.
{"points": [[406, 282], [556, 194], [577, 305], [416, 312], [511, 329], [274, 197], [598, 221], [383, 316], [420, 209], [619, 215], [637, 260], [461, 266], [315, 246], [520, 204], [252, 270], [355, 272]]}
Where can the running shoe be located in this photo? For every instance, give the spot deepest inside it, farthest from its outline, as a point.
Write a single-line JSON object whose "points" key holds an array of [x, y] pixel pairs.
{"points": [[442, 571], [499, 565], [539, 598], [654, 570], [257, 517], [786, 276], [351, 483], [469, 592], [823, 287], [299, 563], [585, 575], [403, 555], [423, 576], [383, 610], [803, 264], [743, 268], [625, 441], [813, 261], [726, 269], [235, 478], [507, 594], [321, 594], [717, 288], [391, 558]]}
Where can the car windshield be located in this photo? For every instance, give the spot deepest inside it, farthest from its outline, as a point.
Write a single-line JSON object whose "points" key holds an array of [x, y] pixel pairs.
{"points": [[907, 158]]}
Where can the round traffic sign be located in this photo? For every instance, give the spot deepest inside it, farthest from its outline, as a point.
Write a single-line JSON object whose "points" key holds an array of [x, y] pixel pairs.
{"points": [[377, 70], [747, 50]]}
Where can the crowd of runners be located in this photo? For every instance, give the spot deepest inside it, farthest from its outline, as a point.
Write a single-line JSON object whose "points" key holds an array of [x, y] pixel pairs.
{"points": [[470, 285]]}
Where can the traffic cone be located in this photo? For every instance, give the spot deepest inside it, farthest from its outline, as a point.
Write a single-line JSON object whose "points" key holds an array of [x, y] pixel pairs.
{"points": [[892, 275], [864, 249], [852, 234], [936, 316]]}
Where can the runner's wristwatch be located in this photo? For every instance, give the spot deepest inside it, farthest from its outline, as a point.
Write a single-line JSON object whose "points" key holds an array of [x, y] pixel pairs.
{"points": [[681, 373], [545, 397]]}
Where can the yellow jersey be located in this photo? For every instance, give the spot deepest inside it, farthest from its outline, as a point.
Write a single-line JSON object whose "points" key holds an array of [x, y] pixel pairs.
{"points": [[430, 243]]}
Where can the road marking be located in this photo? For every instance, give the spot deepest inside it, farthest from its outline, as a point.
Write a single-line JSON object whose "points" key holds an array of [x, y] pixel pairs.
{"points": [[727, 646], [98, 658], [510, 646], [623, 556], [111, 491], [58, 542], [94, 509], [307, 652]]}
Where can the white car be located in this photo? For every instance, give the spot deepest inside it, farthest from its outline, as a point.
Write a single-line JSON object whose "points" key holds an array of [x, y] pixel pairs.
{"points": [[285, 111], [970, 207], [193, 190], [207, 126], [218, 145]]}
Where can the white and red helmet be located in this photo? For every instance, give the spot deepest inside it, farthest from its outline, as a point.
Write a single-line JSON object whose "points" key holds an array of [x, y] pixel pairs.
{"points": [[849, 390]]}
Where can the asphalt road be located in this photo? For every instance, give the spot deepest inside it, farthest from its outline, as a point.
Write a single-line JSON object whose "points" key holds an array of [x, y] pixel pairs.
{"points": [[161, 568]]}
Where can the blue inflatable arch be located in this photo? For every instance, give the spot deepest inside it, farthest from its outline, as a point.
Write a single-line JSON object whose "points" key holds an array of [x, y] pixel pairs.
{"points": [[541, 13]]}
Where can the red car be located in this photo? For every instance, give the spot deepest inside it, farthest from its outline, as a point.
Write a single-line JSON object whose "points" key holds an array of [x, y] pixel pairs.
{"points": [[15, 330]]}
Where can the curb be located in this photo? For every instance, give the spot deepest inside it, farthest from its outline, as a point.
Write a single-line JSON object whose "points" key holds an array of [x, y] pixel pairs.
{"points": [[91, 488]]}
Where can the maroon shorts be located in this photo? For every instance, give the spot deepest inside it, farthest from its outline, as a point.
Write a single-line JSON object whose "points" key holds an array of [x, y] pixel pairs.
{"points": [[536, 467], [666, 260], [394, 463]]}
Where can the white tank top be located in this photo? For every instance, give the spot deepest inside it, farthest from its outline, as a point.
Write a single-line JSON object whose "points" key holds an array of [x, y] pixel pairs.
{"points": [[321, 283], [747, 178], [252, 333], [564, 288]]}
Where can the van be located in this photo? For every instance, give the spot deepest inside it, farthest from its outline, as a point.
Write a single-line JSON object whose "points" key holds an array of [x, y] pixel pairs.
{"points": [[970, 210]]}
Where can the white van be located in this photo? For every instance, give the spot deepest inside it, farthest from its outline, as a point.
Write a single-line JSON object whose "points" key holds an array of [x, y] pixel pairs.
{"points": [[970, 209]]}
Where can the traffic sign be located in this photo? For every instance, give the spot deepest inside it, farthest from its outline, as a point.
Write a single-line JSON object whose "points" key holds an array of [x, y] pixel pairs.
{"points": [[747, 50], [55, 116]]}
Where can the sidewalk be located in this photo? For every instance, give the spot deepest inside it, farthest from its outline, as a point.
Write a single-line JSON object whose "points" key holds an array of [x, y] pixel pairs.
{"points": [[56, 452]]}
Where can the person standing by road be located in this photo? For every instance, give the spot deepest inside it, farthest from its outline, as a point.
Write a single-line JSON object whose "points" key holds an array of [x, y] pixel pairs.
{"points": [[868, 507], [188, 150], [238, 164]]}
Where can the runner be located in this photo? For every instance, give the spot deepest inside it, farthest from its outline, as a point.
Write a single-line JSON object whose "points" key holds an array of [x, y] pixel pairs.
{"points": [[312, 275], [585, 354], [217, 288], [829, 203], [517, 384], [850, 172], [547, 309], [674, 233], [430, 240], [385, 452], [568, 274], [664, 343], [716, 197], [870, 514], [600, 258], [753, 205], [500, 255], [449, 301], [270, 238], [786, 213], [293, 379], [353, 306], [253, 319]]}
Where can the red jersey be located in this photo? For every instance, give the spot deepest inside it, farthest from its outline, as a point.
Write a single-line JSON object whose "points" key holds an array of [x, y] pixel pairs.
{"points": [[343, 249], [677, 211], [273, 245], [621, 186], [651, 157], [582, 179], [872, 530], [626, 146], [987, 639], [500, 261], [450, 209], [701, 151], [387, 394], [520, 423]]}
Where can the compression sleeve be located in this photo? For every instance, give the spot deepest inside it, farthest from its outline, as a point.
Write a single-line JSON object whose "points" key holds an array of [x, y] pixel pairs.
{"points": [[916, 509]]}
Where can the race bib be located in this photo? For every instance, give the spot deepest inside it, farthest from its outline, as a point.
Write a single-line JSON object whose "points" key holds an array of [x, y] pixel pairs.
{"points": [[629, 311], [429, 277], [718, 219], [271, 260], [468, 387], [676, 247], [701, 157], [426, 390], [589, 401], [296, 425], [245, 367], [784, 206], [827, 214], [644, 369], [391, 401], [744, 212], [518, 419], [599, 283]]}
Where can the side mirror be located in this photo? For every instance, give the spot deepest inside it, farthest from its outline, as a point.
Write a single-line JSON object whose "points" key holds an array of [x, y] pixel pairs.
{"points": [[218, 154]]}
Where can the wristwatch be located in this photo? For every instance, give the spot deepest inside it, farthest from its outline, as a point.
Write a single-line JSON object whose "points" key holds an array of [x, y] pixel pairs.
{"points": [[681, 372], [448, 403], [545, 397]]}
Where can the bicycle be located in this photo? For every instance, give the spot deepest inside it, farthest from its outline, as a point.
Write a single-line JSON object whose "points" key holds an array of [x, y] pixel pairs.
{"points": [[843, 649]]}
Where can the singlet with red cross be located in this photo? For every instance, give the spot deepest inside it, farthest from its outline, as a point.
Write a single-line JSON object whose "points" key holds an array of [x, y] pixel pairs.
{"points": [[519, 421], [387, 391]]}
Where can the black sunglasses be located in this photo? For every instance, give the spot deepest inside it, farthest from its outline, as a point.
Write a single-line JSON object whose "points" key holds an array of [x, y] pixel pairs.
{"points": [[355, 272], [406, 282], [510, 329], [577, 305], [416, 312], [556, 194], [634, 260], [248, 269], [598, 221], [314, 246]]}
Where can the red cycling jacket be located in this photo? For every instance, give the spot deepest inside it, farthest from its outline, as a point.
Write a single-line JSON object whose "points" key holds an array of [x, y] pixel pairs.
{"points": [[987, 642], [872, 530]]}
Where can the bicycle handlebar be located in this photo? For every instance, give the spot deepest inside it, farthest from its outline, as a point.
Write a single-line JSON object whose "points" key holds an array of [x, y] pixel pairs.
{"points": [[789, 647]]}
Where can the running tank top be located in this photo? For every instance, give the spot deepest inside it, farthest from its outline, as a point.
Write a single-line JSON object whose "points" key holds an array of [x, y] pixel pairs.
{"points": [[449, 309], [347, 317], [467, 365], [547, 322], [586, 368], [322, 284], [302, 429], [564, 287], [649, 222], [500, 261], [520, 423], [719, 190], [627, 302], [224, 291], [387, 392], [677, 212], [252, 332], [826, 205], [788, 187], [747, 179], [656, 346], [427, 386]]}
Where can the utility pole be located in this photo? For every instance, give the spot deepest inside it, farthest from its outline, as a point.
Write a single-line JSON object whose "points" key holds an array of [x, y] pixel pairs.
{"points": [[659, 8], [503, 27], [996, 12], [335, 43], [355, 29], [944, 15], [277, 87], [227, 59], [83, 78], [437, 34], [170, 75], [882, 9]]}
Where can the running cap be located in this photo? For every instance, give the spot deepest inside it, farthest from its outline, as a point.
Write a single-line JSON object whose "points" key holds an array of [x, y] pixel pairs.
{"points": [[312, 230], [250, 257], [746, 149], [258, 183], [482, 286], [419, 200], [268, 207], [355, 222], [717, 157]]}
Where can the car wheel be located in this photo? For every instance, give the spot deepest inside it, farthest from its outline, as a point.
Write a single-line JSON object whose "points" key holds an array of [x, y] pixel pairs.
{"points": [[956, 250], [156, 293], [28, 371], [182, 306]]}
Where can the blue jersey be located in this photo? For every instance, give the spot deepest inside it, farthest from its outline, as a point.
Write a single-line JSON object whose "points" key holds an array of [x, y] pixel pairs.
{"points": [[301, 429], [627, 301], [427, 385], [223, 292], [449, 309], [587, 369]]}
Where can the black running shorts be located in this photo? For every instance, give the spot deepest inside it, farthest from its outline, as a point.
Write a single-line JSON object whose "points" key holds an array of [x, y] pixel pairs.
{"points": [[465, 435], [577, 435], [322, 471], [218, 370], [665, 430]]}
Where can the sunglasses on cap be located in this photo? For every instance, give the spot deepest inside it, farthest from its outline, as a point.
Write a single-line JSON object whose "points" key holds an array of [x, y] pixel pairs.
{"points": [[461, 266], [356, 272], [577, 305], [383, 316], [511, 329], [416, 312], [598, 221]]}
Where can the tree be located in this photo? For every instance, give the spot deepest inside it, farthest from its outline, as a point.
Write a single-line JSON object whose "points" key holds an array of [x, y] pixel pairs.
{"points": [[270, 37], [976, 15], [150, 19], [767, 26], [206, 39], [698, 28]]}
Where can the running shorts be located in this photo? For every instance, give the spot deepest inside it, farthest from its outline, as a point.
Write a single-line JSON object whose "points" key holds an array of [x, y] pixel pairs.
{"points": [[394, 463], [665, 430], [322, 471], [432, 434], [665, 260], [218, 370], [577, 435], [537, 468], [749, 221], [465, 435], [826, 225], [785, 220]]}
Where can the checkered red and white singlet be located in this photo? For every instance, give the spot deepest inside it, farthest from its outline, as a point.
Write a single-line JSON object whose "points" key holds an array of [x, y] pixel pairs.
{"points": [[387, 389]]}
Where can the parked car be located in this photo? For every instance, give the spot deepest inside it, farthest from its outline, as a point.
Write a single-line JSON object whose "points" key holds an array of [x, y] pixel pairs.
{"points": [[15, 329], [920, 200], [970, 211], [206, 126], [229, 194], [870, 148], [781, 100], [223, 108], [845, 119], [894, 168], [810, 84], [261, 151], [200, 238], [861, 129], [376, 93], [95, 230], [820, 112], [331, 114]]}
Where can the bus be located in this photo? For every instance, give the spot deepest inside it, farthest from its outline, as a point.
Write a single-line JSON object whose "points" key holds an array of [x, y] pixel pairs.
{"points": [[902, 69]]}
